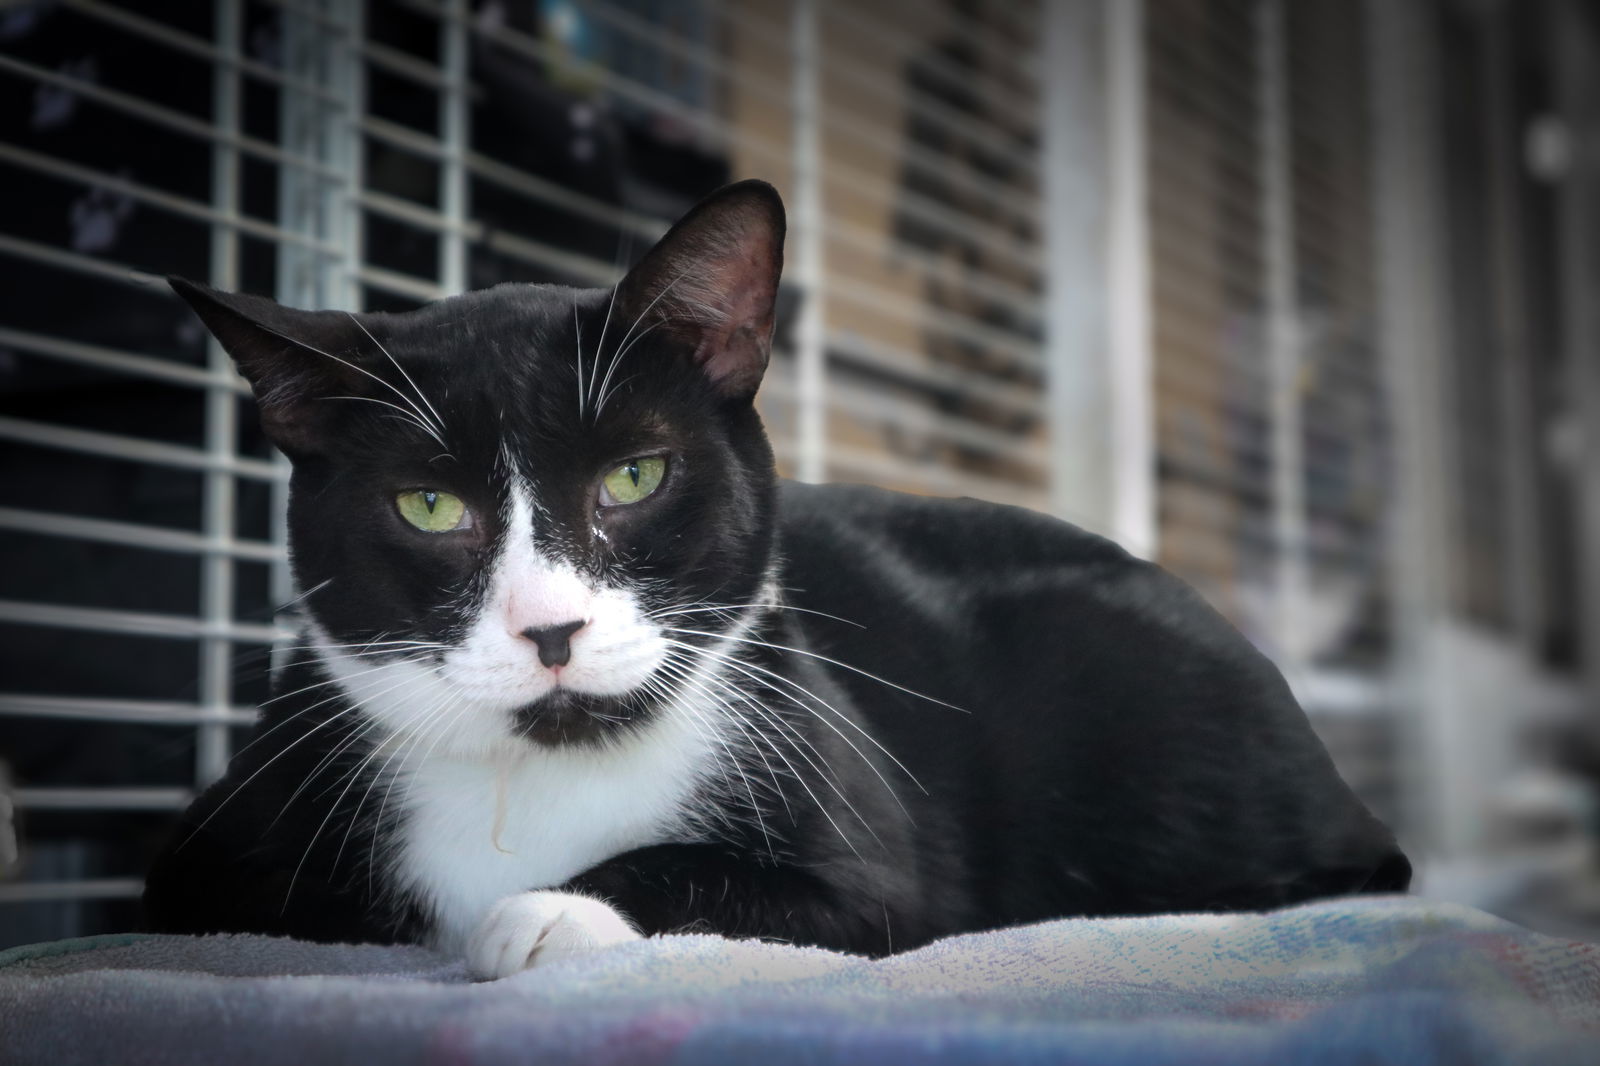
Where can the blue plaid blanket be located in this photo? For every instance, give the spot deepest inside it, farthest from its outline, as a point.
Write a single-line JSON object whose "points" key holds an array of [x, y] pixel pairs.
{"points": [[1372, 980]]}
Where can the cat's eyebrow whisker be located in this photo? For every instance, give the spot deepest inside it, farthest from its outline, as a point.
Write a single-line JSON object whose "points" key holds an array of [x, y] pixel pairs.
{"points": [[612, 391], [604, 327], [607, 393], [437, 420], [347, 363], [624, 346], [577, 332], [446, 454], [405, 416], [640, 317]]}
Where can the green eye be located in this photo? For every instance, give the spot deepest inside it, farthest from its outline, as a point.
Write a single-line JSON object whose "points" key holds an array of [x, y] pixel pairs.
{"points": [[433, 512], [633, 480]]}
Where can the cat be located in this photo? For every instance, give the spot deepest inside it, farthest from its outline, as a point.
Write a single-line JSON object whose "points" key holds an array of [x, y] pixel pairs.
{"points": [[580, 668]]}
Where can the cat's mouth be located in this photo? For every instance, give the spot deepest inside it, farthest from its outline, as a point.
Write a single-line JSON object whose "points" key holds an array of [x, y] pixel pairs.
{"points": [[565, 717]]}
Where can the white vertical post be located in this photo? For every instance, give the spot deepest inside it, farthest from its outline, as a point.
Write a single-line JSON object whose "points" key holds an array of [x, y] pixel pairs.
{"points": [[301, 197], [216, 584], [806, 248], [352, 79], [1097, 288], [1281, 334], [300, 192], [1078, 289], [1411, 337], [1133, 461], [454, 114]]}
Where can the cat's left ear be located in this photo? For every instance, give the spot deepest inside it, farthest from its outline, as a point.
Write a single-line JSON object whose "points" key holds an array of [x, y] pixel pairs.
{"points": [[712, 282], [291, 359]]}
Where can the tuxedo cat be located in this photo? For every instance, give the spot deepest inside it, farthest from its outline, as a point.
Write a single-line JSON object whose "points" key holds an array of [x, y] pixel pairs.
{"points": [[578, 667]]}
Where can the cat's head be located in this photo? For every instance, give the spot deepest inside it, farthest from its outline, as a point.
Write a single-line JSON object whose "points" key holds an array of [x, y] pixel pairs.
{"points": [[508, 506]]}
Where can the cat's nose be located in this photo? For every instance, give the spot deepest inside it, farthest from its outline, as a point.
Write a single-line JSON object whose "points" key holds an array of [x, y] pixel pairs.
{"points": [[555, 642]]}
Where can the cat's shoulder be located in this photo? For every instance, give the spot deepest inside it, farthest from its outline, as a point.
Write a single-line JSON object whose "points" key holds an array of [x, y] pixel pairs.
{"points": [[939, 531], [840, 539]]}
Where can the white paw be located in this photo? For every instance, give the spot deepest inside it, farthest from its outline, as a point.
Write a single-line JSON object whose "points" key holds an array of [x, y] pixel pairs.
{"points": [[534, 928]]}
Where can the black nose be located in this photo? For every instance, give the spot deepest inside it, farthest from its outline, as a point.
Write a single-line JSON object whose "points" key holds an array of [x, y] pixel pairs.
{"points": [[555, 644]]}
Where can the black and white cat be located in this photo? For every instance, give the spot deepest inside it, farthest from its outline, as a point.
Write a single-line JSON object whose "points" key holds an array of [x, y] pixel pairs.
{"points": [[579, 667]]}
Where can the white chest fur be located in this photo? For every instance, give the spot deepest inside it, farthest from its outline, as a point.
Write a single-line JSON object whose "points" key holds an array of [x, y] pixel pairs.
{"points": [[477, 831]]}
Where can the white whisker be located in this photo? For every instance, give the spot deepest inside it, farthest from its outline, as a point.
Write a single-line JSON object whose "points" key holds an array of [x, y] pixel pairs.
{"points": [[822, 658], [577, 331], [604, 327], [347, 363], [405, 416], [438, 422]]}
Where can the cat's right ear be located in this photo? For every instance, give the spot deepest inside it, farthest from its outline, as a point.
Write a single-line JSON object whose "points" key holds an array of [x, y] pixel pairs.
{"points": [[712, 282], [291, 358]]}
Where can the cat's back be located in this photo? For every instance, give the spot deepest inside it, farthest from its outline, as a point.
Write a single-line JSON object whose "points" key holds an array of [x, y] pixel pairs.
{"points": [[936, 539], [965, 569], [1087, 676], [1008, 612], [979, 600]]}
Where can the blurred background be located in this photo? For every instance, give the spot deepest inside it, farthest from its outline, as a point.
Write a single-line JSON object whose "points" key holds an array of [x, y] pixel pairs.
{"points": [[1297, 297]]}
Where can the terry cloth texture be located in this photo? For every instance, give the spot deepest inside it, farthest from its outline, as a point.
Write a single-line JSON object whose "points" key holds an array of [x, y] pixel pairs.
{"points": [[1371, 980]]}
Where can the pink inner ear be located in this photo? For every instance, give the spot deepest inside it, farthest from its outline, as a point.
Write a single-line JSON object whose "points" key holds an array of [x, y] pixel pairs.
{"points": [[736, 360], [712, 282], [733, 347]]}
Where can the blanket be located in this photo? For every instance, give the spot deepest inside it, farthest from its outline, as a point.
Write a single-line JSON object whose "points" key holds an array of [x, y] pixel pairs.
{"points": [[1370, 980]]}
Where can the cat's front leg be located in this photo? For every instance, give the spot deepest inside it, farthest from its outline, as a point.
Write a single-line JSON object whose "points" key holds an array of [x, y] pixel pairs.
{"points": [[699, 888], [537, 928]]}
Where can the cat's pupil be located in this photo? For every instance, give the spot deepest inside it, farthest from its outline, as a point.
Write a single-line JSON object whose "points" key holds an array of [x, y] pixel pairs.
{"points": [[633, 472], [429, 499]]}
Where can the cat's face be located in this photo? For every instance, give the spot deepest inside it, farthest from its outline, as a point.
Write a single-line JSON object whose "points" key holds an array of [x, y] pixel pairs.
{"points": [[507, 506]]}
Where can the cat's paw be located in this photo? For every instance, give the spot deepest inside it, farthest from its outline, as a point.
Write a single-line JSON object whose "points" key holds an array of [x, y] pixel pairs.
{"points": [[534, 928]]}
